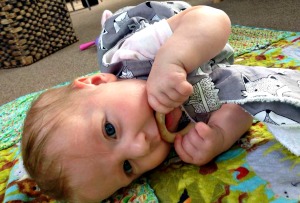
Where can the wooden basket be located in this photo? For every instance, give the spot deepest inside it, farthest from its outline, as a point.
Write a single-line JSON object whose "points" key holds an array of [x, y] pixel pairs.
{"points": [[33, 29]]}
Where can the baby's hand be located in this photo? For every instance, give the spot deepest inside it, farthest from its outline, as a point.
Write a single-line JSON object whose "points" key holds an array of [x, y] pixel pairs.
{"points": [[167, 87], [200, 145]]}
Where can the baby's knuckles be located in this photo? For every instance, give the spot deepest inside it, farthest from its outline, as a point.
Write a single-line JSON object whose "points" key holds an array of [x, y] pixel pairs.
{"points": [[178, 81], [177, 73]]}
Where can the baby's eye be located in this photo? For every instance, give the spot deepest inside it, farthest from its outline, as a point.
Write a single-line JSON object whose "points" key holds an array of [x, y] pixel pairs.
{"points": [[127, 167], [110, 130]]}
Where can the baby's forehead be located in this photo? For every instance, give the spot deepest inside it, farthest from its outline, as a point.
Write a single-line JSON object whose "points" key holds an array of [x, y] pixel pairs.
{"points": [[66, 127]]}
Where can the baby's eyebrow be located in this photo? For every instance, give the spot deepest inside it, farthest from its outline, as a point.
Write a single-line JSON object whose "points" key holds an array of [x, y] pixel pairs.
{"points": [[96, 126]]}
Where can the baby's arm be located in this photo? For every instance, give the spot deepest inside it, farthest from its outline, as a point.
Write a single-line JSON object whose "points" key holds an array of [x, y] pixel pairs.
{"points": [[199, 34], [206, 141]]}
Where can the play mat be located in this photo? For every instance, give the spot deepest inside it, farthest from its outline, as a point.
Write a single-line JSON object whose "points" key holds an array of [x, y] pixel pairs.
{"points": [[256, 169]]}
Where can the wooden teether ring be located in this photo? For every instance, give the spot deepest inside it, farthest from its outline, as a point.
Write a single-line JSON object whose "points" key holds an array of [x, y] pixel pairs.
{"points": [[165, 133]]}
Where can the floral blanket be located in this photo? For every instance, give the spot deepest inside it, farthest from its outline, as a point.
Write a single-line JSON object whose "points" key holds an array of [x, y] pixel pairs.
{"points": [[256, 169]]}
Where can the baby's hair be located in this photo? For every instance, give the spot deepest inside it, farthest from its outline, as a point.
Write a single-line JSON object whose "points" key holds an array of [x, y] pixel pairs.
{"points": [[47, 114]]}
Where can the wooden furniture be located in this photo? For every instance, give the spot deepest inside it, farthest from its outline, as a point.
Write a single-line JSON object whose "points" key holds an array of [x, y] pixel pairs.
{"points": [[33, 29]]}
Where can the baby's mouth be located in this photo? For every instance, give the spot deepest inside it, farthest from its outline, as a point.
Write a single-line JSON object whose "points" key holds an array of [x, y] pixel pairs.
{"points": [[167, 125], [172, 119]]}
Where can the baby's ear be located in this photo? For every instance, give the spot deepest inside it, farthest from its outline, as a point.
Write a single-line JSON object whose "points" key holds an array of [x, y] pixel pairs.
{"points": [[94, 80], [105, 15]]}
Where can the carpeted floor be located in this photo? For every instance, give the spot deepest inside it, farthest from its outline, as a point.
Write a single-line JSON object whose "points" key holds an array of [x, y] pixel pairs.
{"points": [[70, 63]]}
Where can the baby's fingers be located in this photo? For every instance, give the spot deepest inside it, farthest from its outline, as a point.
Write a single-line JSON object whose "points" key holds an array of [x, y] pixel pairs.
{"points": [[158, 106], [164, 101], [182, 153], [184, 89]]}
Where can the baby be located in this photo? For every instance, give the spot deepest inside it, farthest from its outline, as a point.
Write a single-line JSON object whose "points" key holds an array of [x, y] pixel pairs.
{"points": [[84, 141]]}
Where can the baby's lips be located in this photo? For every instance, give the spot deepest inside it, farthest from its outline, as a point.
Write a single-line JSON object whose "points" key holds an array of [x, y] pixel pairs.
{"points": [[172, 119], [165, 133]]}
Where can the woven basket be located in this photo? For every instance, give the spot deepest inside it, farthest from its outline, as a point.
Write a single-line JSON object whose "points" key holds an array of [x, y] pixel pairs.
{"points": [[33, 29]]}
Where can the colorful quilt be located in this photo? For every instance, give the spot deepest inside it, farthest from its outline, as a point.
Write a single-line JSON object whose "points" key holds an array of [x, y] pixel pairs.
{"points": [[256, 169]]}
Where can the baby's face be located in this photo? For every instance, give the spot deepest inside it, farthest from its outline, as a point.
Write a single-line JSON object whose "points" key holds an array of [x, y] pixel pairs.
{"points": [[113, 140]]}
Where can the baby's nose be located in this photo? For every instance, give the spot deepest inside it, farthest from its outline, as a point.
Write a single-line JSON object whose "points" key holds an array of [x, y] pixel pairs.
{"points": [[140, 146]]}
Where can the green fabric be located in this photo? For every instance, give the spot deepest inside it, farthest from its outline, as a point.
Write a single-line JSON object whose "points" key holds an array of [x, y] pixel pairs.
{"points": [[246, 39]]}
